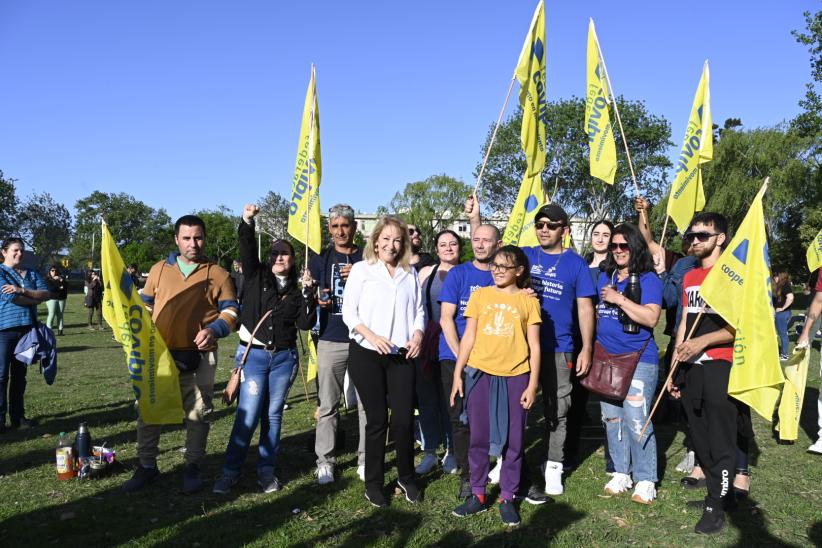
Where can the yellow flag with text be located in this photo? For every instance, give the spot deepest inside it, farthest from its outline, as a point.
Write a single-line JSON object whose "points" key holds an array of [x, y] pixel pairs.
{"points": [[790, 406], [530, 73], [602, 154], [311, 372], [304, 210], [520, 228], [687, 195], [738, 288], [154, 377], [814, 253]]}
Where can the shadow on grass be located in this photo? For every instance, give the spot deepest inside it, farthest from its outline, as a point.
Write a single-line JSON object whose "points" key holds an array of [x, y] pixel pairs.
{"points": [[67, 349], [815, 533], [751, 522], [540, 530], [808, 419], [399, 525]]}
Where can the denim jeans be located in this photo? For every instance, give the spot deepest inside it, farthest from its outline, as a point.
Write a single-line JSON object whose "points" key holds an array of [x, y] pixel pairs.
{"points": [[56, 309], [435, 426], [624, 421], [782, 319], [266, 379], [12, 376]]}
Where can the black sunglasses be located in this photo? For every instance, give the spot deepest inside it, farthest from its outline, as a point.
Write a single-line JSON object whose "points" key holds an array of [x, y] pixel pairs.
{"points": [[619, 246], [551, 225], [701, 236], [414, 231]]}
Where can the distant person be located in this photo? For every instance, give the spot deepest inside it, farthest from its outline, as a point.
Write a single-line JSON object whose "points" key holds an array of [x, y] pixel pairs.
{"points": [[600, 240], [58, 287], [419, 258], [134, 274], [804, 341], [192, 303], [94, 299], [238, 278], [21, 290], [782, 301]]}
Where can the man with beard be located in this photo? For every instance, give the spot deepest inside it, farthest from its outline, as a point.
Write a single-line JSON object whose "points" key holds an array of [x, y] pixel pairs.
{"points": [[702, 381], [419, 258]]}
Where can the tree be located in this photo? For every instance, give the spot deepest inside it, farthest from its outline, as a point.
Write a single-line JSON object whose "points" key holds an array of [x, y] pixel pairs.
{"points": [[273, 217], [431, 205], [222, 244], [809, 122], [567, 167], [45, 225], [8, 213]]}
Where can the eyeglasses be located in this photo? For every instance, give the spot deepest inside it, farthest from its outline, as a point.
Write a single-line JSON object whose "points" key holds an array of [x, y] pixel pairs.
{"points": [[412, 231], [701, 236], [501, 267], [619, 246], [551, 225]]}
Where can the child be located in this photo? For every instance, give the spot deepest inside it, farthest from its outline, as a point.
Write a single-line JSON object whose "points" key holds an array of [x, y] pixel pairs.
{"points": [[501, 343]]}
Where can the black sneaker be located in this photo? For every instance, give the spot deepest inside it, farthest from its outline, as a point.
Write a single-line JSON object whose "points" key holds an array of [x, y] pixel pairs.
{"points": [[375, 497], [465, 489], [142, 477], [192, 482], [712, 521], [471, 506], [269, 483], [536, 496], [412, 492], [508, 513]]}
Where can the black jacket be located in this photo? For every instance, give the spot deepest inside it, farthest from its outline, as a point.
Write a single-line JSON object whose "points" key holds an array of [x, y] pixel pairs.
{"points": [[58, 289], [291, 311]]}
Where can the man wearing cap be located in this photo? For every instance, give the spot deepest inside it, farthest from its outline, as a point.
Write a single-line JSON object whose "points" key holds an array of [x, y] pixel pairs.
{"points": [[562, 281]]}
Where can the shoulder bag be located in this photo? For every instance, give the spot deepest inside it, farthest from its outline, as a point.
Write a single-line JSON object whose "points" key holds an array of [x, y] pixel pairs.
{"points": [[611, 374], [232, 388]]}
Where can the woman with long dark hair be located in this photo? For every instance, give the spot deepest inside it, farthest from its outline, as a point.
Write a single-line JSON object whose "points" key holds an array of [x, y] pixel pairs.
{"points": [[600, 240], [58, 286], [782, 301], [617, 319], [272, 364], [94, 299]]}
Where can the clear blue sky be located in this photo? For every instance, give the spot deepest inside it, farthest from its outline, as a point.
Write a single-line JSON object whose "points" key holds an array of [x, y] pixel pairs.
{"points": [[188, 104]]}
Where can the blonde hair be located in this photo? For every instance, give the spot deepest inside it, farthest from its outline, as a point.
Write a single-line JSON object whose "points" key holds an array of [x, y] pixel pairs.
{"points": [[370, 251]]}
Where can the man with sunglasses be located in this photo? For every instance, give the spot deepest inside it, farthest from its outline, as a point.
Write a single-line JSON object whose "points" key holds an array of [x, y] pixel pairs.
{"points": [[563, 283], [419, 258], [702, 382]]}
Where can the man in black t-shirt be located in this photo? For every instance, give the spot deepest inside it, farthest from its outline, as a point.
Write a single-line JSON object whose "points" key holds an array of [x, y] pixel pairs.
{"points": [[419, 259], [330, 270]]}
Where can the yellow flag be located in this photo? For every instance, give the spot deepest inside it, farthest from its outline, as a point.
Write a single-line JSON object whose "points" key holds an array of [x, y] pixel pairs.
{"points": [[520, 228], [304, 211], [602, 155], [153, 375], [687, 195], [738, 288], [530, 73], [790, 407], [311, 372], [568, 241], [814, 253]]}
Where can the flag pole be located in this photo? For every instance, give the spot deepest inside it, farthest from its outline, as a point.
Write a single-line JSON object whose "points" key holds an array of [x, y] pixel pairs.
{"points": [[670, 374], [310, 157], [664, 228], [494, 135]]}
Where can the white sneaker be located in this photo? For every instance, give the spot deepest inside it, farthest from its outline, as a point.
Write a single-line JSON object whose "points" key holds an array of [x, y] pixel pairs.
{"points": [[429, 462], [325, 473], [449, 463], [618, 484], [493, 475], [553, 478], [361, 472], [816, 447], [686, 465], [645, 492]]}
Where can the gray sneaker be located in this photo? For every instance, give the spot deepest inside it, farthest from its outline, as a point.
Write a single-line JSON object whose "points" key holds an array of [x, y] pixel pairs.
{"points": [[192, 482], [269, 484], [224, 483], [142, 477]]}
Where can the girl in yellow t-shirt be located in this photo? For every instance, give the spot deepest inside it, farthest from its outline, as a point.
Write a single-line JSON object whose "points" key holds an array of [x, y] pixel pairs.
{"points": [[500, 355]]}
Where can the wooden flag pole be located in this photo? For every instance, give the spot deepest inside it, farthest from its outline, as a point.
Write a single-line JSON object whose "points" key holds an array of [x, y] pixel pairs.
{"points": [[664, 228], [494, 135], [670, 374]]}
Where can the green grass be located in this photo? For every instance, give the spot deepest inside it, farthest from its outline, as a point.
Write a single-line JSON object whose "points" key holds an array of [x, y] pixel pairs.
{"points": [[92, 386]]}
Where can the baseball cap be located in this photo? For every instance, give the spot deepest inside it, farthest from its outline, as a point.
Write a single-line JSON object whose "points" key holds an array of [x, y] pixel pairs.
{"points": [[553, 212]]}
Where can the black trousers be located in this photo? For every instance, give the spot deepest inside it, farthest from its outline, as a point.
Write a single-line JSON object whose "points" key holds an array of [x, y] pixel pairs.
{"points": [[384, 381], [712, 419], [460, 435]]}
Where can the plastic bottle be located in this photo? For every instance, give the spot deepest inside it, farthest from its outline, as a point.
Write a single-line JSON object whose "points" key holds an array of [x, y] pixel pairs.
{"points": [[65, 458], [633, 291]]}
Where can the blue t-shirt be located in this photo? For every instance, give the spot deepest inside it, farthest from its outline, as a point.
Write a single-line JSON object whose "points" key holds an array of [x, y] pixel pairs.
{"points": [[325, 268], [462, 280], [609, 329], [13, 315], [559, 280]]}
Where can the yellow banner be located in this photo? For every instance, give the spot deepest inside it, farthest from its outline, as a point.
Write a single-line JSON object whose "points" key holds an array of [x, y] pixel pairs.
{"points": [[304, 211], [530, 73], [311, 372], [602, 155], [738, 287], [520, 228], [790, 407], [814, 253], [687, 195], [153, 375]]}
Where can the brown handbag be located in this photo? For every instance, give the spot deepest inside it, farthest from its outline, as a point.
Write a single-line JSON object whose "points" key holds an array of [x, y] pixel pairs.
{"points": [[611, 374], [232, 387]]}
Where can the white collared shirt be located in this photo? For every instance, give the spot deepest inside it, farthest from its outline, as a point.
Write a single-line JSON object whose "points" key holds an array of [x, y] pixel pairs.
{"points": [[390, 307]]}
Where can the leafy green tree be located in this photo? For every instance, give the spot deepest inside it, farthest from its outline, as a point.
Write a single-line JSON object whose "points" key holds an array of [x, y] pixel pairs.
{"points": [[567, 167], [222, 245], [45, 225], [8, 213]]}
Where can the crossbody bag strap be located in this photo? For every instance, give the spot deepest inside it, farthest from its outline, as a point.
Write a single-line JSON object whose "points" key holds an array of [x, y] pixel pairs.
{"points": [[256, 328], [428, 282]]}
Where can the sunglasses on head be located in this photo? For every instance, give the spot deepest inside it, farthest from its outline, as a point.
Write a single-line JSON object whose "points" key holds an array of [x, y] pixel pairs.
{"points": [[701, 236], [619, 246], [550, 224]]}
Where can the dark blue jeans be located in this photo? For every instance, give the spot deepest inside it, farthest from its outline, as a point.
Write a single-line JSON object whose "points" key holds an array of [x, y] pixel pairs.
{"points": [[12, 377], [267, 377], [781, 320]]}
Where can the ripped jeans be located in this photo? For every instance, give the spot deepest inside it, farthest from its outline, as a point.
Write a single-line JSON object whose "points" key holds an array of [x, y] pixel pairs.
{"points": [[624, 421]]}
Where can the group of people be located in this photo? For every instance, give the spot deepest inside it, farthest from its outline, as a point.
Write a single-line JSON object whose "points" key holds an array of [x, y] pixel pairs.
{"points": [[467, 344]]}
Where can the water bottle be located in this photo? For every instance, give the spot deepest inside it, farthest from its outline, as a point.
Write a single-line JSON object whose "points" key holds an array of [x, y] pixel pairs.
{"points": [[83, 444], [65, 458], [633, 291]]}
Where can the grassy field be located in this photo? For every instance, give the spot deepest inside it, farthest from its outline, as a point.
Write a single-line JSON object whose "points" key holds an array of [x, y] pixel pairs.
{"points": [[785, 508]]}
